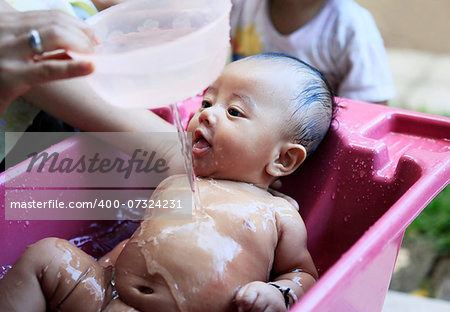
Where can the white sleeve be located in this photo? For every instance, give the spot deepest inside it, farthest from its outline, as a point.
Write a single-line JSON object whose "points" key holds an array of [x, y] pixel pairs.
{"points": [[235, 14], [368, 77]]}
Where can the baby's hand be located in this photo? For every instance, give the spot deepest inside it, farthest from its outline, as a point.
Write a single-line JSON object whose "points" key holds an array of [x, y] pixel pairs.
{"points": [[259, 296]]}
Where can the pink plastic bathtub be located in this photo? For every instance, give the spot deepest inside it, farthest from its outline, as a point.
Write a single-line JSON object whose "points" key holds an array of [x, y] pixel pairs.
{"points": [[373, 174]]}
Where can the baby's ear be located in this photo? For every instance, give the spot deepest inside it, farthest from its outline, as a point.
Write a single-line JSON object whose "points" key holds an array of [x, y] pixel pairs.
{"points": [[290, 157]]}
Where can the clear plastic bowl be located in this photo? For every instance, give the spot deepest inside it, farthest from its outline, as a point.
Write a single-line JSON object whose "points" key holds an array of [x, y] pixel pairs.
{"points": [[153, 53]]}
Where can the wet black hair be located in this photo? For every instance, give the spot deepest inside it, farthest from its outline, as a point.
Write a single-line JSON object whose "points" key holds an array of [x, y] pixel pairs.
{"points": [[314, 107]]}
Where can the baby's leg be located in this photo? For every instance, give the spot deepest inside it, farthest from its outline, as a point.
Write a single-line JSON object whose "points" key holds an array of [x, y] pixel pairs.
{"points": [[56, 275]]}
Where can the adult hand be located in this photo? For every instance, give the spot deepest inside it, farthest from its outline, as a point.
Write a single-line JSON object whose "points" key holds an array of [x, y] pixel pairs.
{"points": [[26, 38]]}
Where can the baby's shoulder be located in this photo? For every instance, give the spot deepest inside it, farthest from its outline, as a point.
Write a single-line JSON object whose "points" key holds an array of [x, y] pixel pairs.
{"points": [[282, 205], [176, 180], [287, 216], [174, 188]]}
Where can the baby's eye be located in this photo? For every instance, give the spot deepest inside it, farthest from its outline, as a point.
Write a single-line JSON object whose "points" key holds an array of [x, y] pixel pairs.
{"points": [[206, 104], [234, 112]]}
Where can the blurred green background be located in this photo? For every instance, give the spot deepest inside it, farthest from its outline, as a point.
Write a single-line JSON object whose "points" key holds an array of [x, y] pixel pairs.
{"points": [[434, 223]]}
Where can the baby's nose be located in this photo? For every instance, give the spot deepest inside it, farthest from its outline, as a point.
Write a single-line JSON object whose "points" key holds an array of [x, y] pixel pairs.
{"points": [[208, 117]]}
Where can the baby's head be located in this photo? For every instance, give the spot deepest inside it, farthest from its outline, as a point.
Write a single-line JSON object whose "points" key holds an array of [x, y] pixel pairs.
{"points": [[260, 119]]}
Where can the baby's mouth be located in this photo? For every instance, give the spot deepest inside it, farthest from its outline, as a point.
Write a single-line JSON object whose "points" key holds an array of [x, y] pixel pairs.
{"points": [[201, 144]]}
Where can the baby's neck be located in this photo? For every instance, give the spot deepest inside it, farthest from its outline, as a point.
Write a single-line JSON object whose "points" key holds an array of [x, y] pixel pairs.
{"points": [[260, 185], [227, 184]]}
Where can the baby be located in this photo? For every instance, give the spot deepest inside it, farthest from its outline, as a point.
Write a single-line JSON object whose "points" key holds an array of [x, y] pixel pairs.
{"points": [[243, 249]]}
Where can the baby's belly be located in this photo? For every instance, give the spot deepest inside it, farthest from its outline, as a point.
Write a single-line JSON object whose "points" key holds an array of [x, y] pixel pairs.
{"points": [[187, 266]]}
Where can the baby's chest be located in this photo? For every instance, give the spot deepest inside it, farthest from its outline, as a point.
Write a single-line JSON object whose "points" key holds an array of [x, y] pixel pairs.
{"points": [[214, 229], [246, 226]]}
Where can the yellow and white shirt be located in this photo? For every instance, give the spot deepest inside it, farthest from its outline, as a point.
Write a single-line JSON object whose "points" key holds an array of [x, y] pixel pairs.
{"points": [[342, 41], [79, 8]]}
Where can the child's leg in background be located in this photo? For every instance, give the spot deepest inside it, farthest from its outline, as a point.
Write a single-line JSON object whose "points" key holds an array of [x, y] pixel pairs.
{"points": [[54, 274]]}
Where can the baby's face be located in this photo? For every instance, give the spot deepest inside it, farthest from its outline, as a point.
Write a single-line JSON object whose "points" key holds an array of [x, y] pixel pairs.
{"points": [[237, 129]]}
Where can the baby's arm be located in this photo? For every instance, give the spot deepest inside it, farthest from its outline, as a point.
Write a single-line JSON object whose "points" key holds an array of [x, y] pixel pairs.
{"points": [[293, 268]]}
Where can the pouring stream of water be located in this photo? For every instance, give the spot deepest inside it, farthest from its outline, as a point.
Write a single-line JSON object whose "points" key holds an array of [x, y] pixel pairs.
{"points": [[186, 151]]}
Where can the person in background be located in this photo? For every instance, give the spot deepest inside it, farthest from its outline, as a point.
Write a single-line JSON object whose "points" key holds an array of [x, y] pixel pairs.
{"points": [[338, 37]]}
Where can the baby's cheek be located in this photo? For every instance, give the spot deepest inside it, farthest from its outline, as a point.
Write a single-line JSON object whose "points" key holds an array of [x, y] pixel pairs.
{"points": [[193, 121]]}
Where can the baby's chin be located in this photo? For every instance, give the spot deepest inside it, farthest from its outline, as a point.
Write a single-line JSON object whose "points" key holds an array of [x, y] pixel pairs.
{"points": [[201, 170], [206, 169], [207, 172]]}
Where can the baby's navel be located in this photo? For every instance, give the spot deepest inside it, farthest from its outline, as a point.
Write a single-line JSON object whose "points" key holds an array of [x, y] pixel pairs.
{"points": [[145, 290]]}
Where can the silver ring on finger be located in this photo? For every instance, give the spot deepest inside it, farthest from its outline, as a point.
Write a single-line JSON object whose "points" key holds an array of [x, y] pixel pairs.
{"points": [[35, 42]]}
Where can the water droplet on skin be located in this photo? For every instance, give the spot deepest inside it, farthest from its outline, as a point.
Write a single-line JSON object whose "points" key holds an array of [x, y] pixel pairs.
{"points": [[333, 196], [346, 218], [297, 280], [4, 269]]}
